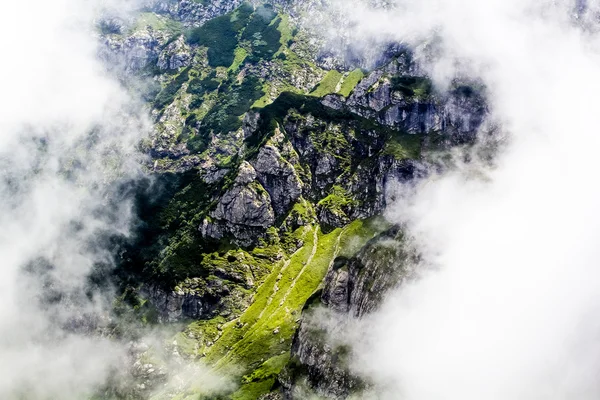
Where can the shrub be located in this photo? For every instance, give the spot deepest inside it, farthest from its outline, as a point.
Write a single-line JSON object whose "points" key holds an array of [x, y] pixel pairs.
{"points": [[220, 37], [412, 86], [167, 95]]}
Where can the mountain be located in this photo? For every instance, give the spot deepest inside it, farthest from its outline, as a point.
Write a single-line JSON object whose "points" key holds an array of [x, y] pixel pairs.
{"points": [[270, 167]]}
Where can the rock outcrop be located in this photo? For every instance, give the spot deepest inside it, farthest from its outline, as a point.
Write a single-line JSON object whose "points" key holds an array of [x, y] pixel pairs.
{"points": [[277, 174], [134, 52], [244, 212], [175, 55], [353, 287], [191, 12]]}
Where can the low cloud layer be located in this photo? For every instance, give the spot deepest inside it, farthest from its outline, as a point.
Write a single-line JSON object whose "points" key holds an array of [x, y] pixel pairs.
{"points": [[68, 131], [510, 306]]}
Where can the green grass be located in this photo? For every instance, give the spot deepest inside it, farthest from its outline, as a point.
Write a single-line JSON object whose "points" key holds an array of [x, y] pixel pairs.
{"points": [[413, 86], [286, 30], [168, 93], [257, 346], [253, 390], [358, 233], [403, 146], [265, 99], [337, 201], [351, 81], [157, 23], [328, 85], [262, 379], [234, 101], [240, 55], [220, 36], [198, 88], [262, 33]]}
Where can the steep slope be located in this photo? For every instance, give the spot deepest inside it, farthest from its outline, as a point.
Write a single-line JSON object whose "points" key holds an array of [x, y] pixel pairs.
{"points": [[266, 168], [353, 287]]}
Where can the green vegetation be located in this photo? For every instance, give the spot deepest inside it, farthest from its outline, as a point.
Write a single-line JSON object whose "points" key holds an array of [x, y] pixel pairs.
{"points": [[261, 289], [412, 86], [286, 30], [260, 339], [220, 36], [223, 35], [358, 233], [337, 200], [226, 115], [240, 55], [328, 85], [350, 82], [263, 33], [168, 93], [199, 87], [157, 23], [403, 146]]}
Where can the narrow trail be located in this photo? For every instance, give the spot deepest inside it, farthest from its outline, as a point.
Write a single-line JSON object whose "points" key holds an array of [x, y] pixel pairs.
{"points": [[276, 285], [306, 264], [261, 320], [258, 323], [275, 289], [337, 249]]}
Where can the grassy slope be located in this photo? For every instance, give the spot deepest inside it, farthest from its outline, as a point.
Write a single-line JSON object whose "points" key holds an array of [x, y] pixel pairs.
{"points": [[255, 347]]}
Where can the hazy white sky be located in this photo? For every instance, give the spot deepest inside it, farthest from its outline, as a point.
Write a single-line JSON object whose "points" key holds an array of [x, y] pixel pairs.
{"points": [[513, 311], [54, 182]]}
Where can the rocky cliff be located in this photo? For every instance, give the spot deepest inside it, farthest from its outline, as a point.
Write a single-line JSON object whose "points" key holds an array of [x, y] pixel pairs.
{"points": [[269, 173], [352, 288]]}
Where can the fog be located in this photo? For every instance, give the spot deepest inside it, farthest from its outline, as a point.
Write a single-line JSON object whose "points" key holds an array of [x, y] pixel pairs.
{"points": [[508, 306], [68, 132], [509, 299]]}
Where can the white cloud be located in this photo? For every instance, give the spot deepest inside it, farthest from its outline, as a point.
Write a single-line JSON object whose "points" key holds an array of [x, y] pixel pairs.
{"points": [[67, 130], [512, 311]]}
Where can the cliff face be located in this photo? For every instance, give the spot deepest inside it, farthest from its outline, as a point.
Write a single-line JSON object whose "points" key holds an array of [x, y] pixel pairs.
{"points": [[352, 288], [269, 175]]}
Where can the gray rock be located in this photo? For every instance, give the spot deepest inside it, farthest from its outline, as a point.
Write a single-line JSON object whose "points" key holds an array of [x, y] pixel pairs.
{"points": [[176, 55], [353, 287], [278, 177], [244, 211], [134, 52], [250, 123], [214, 174], [190, 12]]}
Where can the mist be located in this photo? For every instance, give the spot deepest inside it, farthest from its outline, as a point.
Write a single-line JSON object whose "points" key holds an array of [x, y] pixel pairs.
{"points": [[508, 302], [68, 133]]}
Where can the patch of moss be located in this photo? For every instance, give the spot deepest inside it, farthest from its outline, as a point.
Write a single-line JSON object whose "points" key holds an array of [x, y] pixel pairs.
{"points": [[199, 86], [226, 115], [269, 369], [403, 146], [168, 93], [220, 36], [328, 85], [337, 201], [253, 390], [358, 233], [262, 33], [240, 55], [286, 30], [350, 82], [413, 86]]}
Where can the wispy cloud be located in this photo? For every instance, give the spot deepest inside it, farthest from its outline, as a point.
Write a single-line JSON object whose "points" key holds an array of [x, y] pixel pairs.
{"points": [[68, 131], [511, 310]]}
